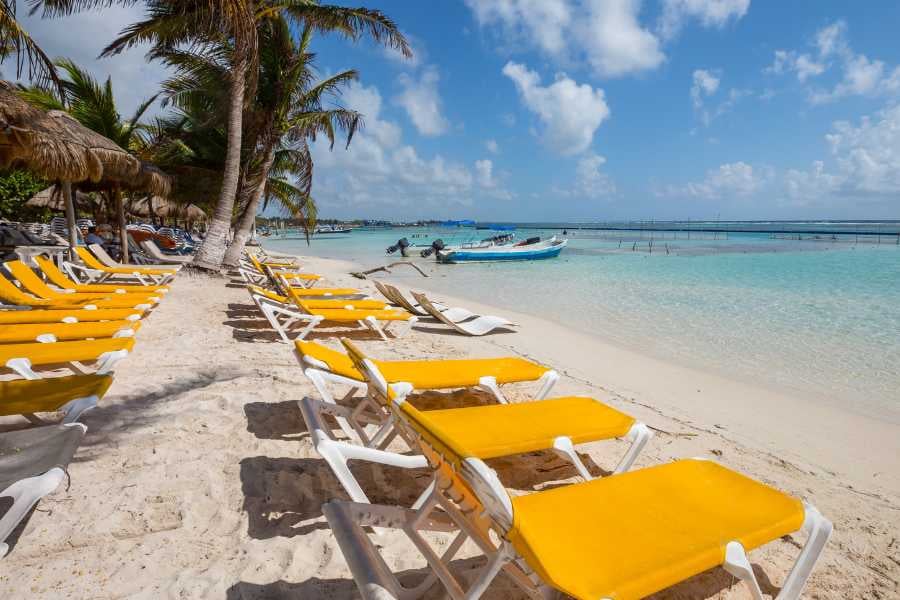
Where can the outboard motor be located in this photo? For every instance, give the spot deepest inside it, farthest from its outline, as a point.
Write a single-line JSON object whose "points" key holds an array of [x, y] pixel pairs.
{"points": [[436, 246], [401, 245]]}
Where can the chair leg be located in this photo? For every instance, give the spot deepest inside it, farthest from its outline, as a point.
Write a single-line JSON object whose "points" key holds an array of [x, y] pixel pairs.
{"points": [[638, 435], [564, 446], [819, 529], [74, 409], [489, 384], [25, 493], [546, 383]]}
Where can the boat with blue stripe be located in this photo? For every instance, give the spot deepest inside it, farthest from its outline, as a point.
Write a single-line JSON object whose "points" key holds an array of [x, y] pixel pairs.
{"points": [[530, 249]]}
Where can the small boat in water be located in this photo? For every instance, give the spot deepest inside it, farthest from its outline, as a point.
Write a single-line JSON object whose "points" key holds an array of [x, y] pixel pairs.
{"points": [[332, 229], [530, 249]]}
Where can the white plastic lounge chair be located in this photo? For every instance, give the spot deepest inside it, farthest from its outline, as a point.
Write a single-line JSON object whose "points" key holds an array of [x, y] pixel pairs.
{"points": [[455, 314], [480, 325], [625, 536], [32, 464], [152, 250]]}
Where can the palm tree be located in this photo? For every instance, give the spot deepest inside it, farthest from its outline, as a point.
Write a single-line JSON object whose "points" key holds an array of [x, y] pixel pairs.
{"points": [[93, 105], [289, 111], [15, 40], [171, 24]]}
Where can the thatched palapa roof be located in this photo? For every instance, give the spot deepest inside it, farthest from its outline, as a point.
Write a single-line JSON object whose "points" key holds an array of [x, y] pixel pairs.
{"points": [[57, 146]]}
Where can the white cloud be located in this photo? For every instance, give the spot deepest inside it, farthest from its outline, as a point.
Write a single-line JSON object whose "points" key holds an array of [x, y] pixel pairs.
{"points": [[422, 102], [705, 84], [704, 87], [860, 75], [866, 162], [605, 34], [83, 36], [613, 40], [380, 174], [710, 13], [728, 181], [804, 65], [484, 173], [492, 146], [590, 181], [569, 112]]}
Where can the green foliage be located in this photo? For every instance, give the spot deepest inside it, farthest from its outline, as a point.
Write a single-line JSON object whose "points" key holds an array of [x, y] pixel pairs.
{"points": [[16, 187]]}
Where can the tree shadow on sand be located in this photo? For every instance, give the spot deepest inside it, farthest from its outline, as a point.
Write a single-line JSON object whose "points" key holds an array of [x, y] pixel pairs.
{"points": [[111, 421]]}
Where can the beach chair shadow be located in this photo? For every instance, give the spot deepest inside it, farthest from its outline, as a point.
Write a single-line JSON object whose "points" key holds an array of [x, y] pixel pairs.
{"points": [[275, 421], [295, 489], [236, 311], [315, 588]]}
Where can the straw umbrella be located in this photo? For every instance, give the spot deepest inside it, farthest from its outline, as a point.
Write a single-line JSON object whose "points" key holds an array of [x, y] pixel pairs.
{"points": [[58, 147]]}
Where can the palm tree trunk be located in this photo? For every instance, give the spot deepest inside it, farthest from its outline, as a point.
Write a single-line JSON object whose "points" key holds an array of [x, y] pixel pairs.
{"points": [[123, 232], [248, 218], [70, 217], [212, 250]]}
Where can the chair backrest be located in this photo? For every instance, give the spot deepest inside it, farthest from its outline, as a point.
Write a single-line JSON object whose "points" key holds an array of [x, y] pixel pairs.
{"points": [[89, 259], [28, 279], [428, 307], [52, 272], [255, 289], [368, 369], [384, 291], [401, 301], [10, 294], [467, 481], [105, 258], [323, 357]]}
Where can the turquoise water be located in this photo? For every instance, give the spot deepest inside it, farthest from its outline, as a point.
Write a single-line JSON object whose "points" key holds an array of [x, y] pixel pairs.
{"points": [[816, 318]]}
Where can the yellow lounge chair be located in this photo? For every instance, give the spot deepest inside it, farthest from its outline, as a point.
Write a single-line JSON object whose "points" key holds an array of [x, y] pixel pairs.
{"points": [[101, 255], [60, 280], [620, 537], [97, 272], [55, 332], [35, 285], [317, 302], [10, 294], [72, 395], [104, 353], [327, 368], [284, 319], [280, 277], [71, 315]]}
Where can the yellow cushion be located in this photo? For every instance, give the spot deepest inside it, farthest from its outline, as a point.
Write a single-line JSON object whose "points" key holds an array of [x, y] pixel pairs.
{"points": [[63, 352], [338, 362], [91, 261], [23, 396], [35, 285], [630, 535], [59, 279], [506, 429], [40, 315], [443, 374], [25, 333], [10, 294]]}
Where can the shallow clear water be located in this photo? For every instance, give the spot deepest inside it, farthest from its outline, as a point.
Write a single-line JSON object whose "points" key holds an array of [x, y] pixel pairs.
{"points": [[817, 318]]}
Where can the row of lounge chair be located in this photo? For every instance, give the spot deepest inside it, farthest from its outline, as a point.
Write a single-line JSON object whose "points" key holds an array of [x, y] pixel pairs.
{"points": [[63, 328], [626, 534], [294, 307]]}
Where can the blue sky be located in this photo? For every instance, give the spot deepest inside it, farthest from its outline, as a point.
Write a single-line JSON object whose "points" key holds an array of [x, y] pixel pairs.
{"points": [[605, 109]]}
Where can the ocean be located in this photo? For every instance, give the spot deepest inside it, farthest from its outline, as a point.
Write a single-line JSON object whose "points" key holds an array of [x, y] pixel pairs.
{"points": [[817, 316]]}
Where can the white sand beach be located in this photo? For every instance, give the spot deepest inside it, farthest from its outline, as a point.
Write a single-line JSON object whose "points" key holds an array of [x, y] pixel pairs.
{"points": [[197, 479]]}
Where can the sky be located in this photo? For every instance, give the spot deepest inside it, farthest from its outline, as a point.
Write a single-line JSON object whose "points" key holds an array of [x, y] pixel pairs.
{"points": [[594, 110]]}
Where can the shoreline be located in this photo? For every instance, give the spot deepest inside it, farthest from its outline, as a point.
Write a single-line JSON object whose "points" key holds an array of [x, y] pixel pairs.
{"points": [[816, 435]]}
